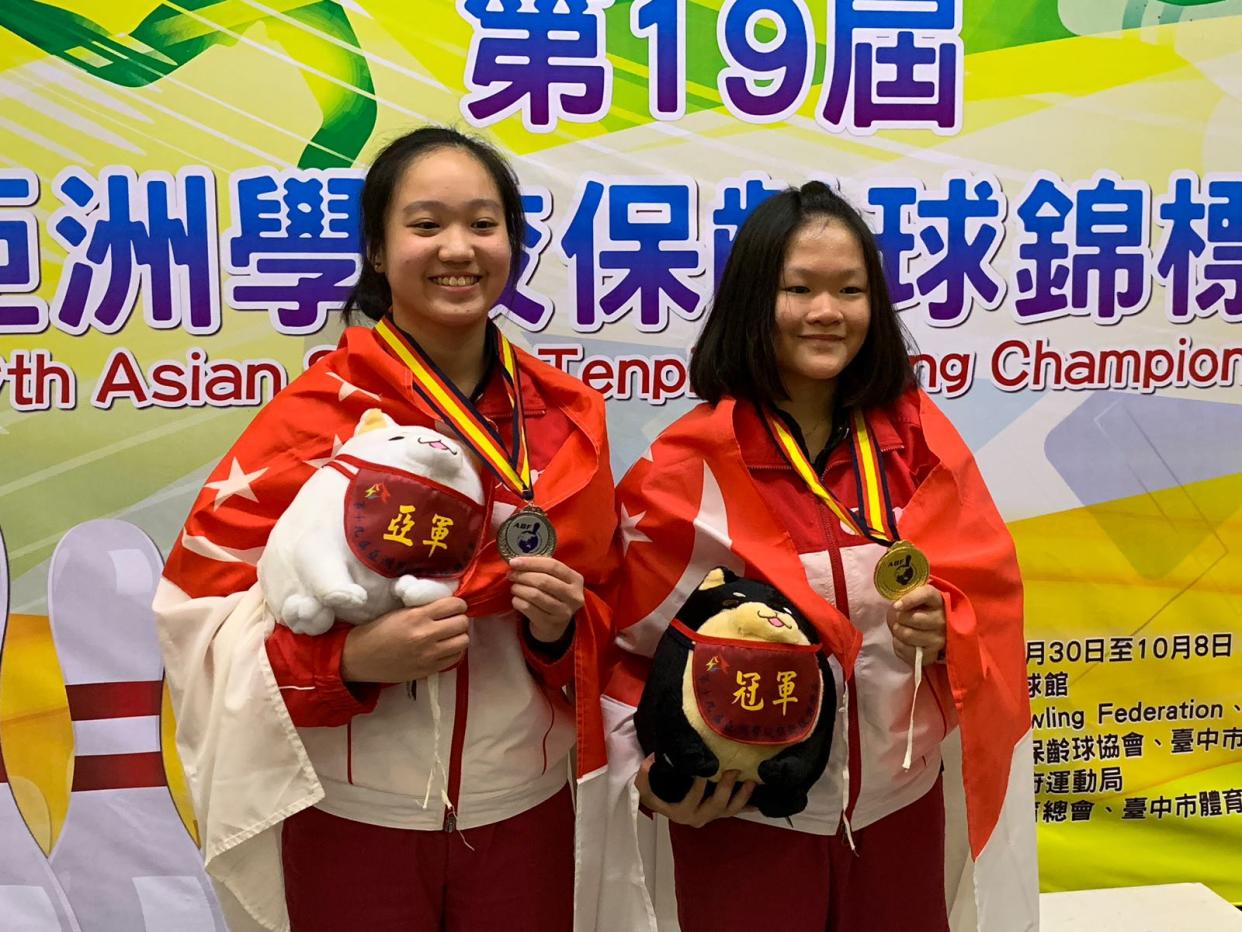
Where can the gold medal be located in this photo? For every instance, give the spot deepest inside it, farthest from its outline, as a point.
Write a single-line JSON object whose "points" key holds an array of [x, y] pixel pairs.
{"points": [[902, 569], [526, 533]]}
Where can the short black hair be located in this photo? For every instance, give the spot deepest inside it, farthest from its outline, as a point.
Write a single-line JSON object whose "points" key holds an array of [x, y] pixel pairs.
{"points": [[372, 295], [735, 353]]}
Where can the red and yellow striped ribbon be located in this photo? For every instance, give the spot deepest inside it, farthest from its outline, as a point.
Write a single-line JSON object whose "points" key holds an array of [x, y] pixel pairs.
{"points": [[876, 522], [512, 468], [872, 492]]}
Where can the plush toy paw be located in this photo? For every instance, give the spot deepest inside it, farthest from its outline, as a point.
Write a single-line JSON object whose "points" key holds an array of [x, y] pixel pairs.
{"points": [[668, 783], [783, 771], [344, 597], [304, 614], [414, 591], [692, 757]]}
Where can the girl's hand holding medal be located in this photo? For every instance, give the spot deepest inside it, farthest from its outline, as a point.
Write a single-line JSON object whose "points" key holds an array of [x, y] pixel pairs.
{"points": [[547, 593], [917, 620]]}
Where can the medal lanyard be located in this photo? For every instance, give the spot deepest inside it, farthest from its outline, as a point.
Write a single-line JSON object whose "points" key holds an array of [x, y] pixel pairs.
{"points": [[903, 568], [512, 468], [875, 521]]}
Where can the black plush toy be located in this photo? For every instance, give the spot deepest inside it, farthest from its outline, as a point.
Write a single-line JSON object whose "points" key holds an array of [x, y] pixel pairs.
{"points": [[738, 682]]}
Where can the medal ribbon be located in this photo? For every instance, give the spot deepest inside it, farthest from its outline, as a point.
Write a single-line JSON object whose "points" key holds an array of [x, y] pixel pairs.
{"points": [[876, 520], [511, 467]]}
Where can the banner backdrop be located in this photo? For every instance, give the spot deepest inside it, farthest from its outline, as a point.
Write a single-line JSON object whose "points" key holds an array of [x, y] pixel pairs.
{"points": [[1058, 195]]}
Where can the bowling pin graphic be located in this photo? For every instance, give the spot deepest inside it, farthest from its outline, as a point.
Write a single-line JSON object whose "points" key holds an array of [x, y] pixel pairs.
{"points": [[123, 858], [31, 899]]}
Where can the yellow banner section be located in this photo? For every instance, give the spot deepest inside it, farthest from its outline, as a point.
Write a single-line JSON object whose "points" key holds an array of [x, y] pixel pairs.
{"points": [[1136, 688]]}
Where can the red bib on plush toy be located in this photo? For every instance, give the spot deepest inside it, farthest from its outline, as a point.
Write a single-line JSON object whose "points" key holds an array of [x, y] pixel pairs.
{"points": [[400, 523], [755, 692]]}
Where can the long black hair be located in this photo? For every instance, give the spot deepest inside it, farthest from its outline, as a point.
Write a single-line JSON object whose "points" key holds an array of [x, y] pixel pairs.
{"points": [[735, 353], [371, 295]]}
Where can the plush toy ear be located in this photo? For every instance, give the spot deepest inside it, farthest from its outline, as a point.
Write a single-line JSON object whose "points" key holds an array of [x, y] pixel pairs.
{"points": [[717, 577], [373, 419]]}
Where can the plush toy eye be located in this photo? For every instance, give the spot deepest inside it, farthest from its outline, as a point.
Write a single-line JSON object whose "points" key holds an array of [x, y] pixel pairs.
{"points": [[730, 603], [398, 437]]}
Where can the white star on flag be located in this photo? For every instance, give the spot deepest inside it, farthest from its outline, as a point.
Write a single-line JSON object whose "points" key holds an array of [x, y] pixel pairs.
{"points": [[348, 389], [237, 483], [337, 443], [630, 534]]}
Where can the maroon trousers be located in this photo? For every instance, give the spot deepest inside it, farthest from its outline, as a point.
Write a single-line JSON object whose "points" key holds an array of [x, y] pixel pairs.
{"points": [[738, 875], [516, 875]]}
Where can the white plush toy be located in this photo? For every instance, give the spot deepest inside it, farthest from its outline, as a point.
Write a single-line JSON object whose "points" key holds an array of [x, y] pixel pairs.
{"points": [[392, 520]]}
